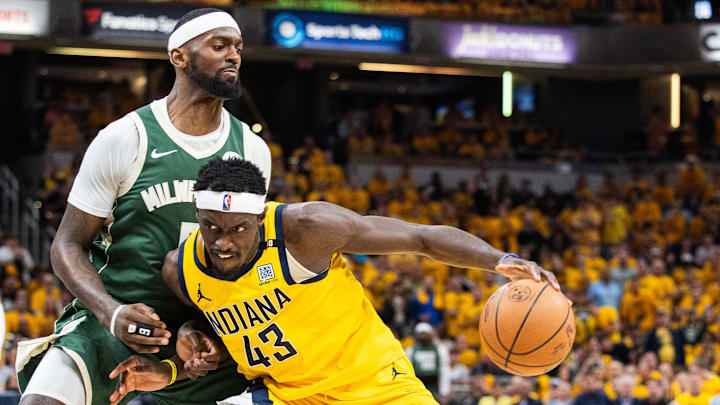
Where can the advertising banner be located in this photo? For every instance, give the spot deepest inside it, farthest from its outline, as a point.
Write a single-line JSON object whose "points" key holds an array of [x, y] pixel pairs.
{"points": [[24, 17], [510, 42], [301, 29], [131, 20], [709, 42]]}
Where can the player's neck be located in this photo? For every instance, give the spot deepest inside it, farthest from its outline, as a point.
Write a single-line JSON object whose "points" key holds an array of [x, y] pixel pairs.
{"points": [[194, 111]]}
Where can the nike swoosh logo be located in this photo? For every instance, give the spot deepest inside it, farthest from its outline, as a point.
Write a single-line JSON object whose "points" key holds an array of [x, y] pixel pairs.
{"points": [[154, 154]]}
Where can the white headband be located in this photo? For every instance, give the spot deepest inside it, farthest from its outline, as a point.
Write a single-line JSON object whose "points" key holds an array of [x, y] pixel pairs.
{"points": [[226, 201], [199, 26]]}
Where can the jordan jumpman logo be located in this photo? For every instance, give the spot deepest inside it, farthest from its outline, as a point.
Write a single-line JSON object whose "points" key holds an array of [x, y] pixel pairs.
{"points": [[395, 372], [201, 296]]}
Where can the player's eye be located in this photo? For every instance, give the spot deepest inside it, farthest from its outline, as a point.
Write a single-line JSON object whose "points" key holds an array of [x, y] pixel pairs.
{"points": [[218, 47], [212, 227], [239, 229]]}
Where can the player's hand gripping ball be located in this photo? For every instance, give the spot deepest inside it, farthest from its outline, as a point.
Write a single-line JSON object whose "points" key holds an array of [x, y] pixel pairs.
{"points": [[527, 327]]}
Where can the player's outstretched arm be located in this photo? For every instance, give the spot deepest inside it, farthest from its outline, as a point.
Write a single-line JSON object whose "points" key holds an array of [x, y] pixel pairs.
{"points": [[69, 258], [142, 374], [353, 233]]}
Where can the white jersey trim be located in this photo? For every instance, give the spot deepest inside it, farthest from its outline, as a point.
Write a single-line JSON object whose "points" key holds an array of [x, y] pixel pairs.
{"points": [[159, 109], [139, 162], [298, 272]]}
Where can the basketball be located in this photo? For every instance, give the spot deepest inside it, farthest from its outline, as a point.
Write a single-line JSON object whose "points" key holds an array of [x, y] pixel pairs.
{"points": [[527, 327]]}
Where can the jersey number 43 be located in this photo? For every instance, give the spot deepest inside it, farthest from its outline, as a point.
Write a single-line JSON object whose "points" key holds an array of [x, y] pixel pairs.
{"points": [[255, 355]]}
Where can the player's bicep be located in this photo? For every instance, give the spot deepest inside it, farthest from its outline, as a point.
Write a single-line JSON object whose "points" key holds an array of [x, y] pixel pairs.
{"points": [[383, 235], [78, 227], [329, 226], [171, 277]]}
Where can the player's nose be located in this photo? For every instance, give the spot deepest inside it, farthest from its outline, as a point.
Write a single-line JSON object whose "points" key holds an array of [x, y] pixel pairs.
{"points": [[233, 56], [224, 244]]}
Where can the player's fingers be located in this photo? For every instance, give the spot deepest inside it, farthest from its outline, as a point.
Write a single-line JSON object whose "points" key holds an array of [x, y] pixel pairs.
{"points": [[120, 390], [517, 272], [195, 341], [146, 310], [160, 327], [550, 277], [200, 364], [211, 357], [148, 341], [213, 349], [131, 362]]}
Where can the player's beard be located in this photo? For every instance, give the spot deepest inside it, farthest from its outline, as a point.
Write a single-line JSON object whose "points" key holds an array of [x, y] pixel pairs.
{"points": [[214, 85]]}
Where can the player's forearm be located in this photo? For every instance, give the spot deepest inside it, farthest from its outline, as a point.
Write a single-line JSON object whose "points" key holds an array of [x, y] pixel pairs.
{"points": [[71, 265], [458, 248]]}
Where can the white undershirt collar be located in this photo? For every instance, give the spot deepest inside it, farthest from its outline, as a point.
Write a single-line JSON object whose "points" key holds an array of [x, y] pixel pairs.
{"points": [[187, 142]]}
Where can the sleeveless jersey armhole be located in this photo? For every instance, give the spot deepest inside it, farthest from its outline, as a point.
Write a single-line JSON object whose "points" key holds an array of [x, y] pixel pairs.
{"points": [[141, 154], [181, 274]]}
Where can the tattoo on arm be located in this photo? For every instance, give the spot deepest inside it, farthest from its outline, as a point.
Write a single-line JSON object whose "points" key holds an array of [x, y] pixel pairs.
{"points": [[69, 258]]}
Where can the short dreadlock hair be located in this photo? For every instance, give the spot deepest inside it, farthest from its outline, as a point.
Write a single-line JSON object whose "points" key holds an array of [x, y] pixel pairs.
{"points": [[191, 15], [234, 175]]}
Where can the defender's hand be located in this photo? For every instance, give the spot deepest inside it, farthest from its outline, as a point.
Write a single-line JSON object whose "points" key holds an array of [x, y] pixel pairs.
{"points": [[515, 268], [199, 352], [139, 373], [127, 319]]}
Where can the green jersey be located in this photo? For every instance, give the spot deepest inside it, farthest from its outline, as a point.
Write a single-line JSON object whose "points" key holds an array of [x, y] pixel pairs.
{"points": [[154, 211]]}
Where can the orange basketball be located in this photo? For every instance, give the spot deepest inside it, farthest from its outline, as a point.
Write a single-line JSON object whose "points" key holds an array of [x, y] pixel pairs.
{"points": [[527, 327]]}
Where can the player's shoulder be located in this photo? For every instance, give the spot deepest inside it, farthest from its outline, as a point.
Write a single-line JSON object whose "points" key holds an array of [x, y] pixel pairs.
{"points": [[118, 132], [308, 216]]}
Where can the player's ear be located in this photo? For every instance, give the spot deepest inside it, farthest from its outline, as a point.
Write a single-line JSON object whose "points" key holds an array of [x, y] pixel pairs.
{"points": [[179, 58], [261, 217]]}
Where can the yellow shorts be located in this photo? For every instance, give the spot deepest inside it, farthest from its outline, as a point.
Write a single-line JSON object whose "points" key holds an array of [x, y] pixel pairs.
{"points": [[396, 384]]}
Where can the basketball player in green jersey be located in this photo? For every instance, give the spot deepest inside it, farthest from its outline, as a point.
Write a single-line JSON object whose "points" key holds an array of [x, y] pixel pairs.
{"points": [[131, 203]]}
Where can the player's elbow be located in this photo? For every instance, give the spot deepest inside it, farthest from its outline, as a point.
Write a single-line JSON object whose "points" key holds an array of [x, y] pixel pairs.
{"points": [[55, 256], [61, 252], [426, 238]]}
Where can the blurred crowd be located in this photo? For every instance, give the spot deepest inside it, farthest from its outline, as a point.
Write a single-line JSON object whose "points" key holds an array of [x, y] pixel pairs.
{"points": [[32, 299], [640, 260], [401, 130], [462, 132]]}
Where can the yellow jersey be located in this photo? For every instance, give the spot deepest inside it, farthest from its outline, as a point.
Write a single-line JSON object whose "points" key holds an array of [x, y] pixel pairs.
{"points": [[302, 337]]}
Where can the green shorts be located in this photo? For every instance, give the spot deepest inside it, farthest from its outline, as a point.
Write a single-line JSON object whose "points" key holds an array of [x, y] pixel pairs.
{"points": [[96, 353]]}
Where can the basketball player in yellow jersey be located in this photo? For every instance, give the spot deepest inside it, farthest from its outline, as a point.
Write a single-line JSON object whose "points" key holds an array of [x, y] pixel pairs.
{"points": [[275, 288]]}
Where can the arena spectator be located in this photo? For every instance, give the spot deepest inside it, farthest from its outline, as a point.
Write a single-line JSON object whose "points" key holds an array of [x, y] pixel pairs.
{"points": [[431, 360], [624, 387], [560, 392], [459, 378], [11, 253], [605, 292], [591, 390], [21, 320], [667, 343], [520, 389]]}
